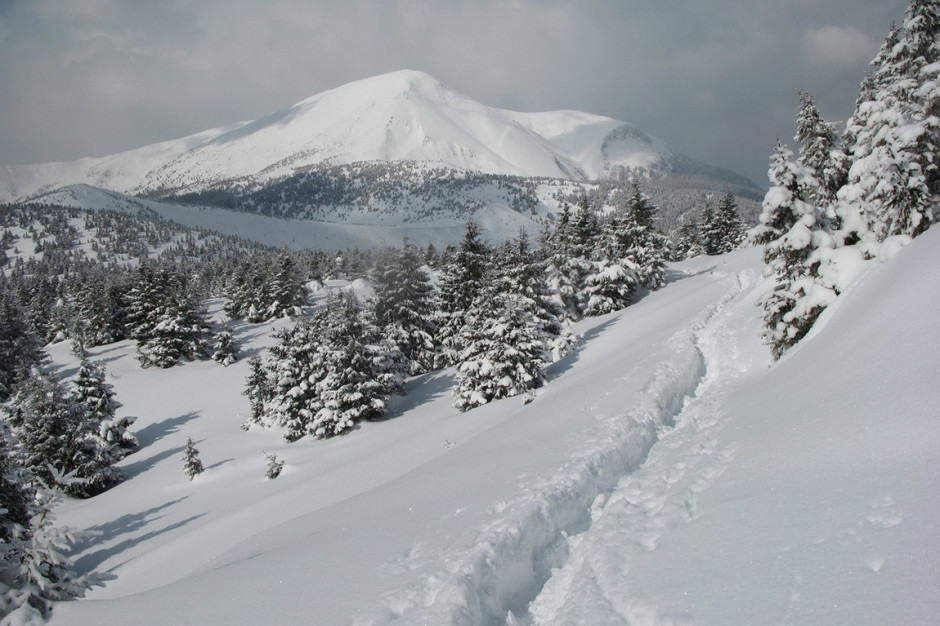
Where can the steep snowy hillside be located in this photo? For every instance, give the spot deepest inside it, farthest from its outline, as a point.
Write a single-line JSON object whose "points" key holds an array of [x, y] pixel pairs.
{"points": [[404, 116], [668, 473]]}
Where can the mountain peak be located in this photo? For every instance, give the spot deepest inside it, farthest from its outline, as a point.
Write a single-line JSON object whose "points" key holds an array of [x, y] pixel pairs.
{"points": [[405, 115]]}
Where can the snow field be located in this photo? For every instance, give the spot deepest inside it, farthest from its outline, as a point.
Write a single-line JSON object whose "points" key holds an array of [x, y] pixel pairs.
{"points": [[382, 524], [665, 475]]}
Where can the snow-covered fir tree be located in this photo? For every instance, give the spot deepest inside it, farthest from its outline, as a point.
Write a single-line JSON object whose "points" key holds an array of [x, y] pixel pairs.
{"points": [[787, 188], [289, 395], [274, 467], [59, 437], [92, 391], [893, 182], [35, 571], [570, 256], [326, 373], [403, 306], [611, 285], [820, 153], [722, 229], [460, 283], [287, 292], [504, 353], [523, 274], [167, 319], [225, 347], [258, 388], [19, 349], [647, 248], [812, 242], [358, 370], [687, 241], [192, 464]]}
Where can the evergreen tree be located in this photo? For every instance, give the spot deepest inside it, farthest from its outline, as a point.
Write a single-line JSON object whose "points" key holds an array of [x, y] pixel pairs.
{"points": [[524, 276], [19, 350], [647, 247], [97, 396], [296, 364], [820, 153], [192, 465], [167, 320], [894, 183], [611, 284], [327, 373], [711, 236], [503, 355], [357, 372], [783, 203], [59, 438], [792, 231], [403, 307], [688, 240], [288, 293], [725, 232], [258, 389], [460, 283], [225, 349], [34, 570], [275, 466]]}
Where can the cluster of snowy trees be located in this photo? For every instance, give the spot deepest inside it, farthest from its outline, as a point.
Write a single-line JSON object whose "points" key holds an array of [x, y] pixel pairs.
{"points": [[54, 439], [848, 198], [497, 315]]}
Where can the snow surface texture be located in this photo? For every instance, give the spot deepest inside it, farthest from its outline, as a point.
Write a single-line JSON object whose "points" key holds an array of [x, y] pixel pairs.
{"points": [[666, 475], [400, 116]]}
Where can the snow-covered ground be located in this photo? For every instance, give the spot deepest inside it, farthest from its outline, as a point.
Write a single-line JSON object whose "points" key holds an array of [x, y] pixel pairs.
{"points": [[668, 474]]}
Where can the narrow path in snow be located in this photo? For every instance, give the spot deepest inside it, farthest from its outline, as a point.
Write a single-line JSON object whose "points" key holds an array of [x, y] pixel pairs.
{"points": [[533, 550], [590, 588]]}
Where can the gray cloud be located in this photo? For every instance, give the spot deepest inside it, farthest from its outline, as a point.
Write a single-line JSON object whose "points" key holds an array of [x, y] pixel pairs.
{"points": [[716, 80]]}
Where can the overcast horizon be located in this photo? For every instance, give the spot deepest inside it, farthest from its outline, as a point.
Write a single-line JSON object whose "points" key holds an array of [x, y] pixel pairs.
{"points": [[717, 82]]}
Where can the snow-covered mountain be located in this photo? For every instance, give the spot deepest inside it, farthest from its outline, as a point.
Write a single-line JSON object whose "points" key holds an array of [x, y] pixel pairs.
{"points": [[405, 116]]}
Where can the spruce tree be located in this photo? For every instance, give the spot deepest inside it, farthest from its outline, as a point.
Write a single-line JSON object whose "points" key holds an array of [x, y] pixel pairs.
{"points": [[59, 437], [647, 247], [727, 229], [258, 389], [688, 240], [225, 347], [34, 569], [97, 396], [287, 292], [403, 307], [297, 362], [523, 274], [893, 184], [460, 283], [503, 354], [19, 350], [356, 374], [820, 153], [192, 465]]}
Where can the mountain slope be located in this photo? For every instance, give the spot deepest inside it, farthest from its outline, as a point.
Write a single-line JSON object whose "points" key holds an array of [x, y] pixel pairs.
{"points": [[665, 475], [404, 116]]}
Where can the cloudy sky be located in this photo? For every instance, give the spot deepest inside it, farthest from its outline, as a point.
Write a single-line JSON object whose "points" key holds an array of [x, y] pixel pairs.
{"points": [[716, 79]]}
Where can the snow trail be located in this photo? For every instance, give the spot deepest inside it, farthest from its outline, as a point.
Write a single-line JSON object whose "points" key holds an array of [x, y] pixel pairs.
{"points": [[659, 495], [536, 535]]}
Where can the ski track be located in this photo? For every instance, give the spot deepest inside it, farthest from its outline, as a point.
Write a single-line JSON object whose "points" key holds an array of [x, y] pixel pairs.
{"points": [[537, 561]]}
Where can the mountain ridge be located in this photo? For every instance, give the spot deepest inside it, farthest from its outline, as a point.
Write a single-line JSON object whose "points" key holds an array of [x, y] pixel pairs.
{"points": [[400, 116]]}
